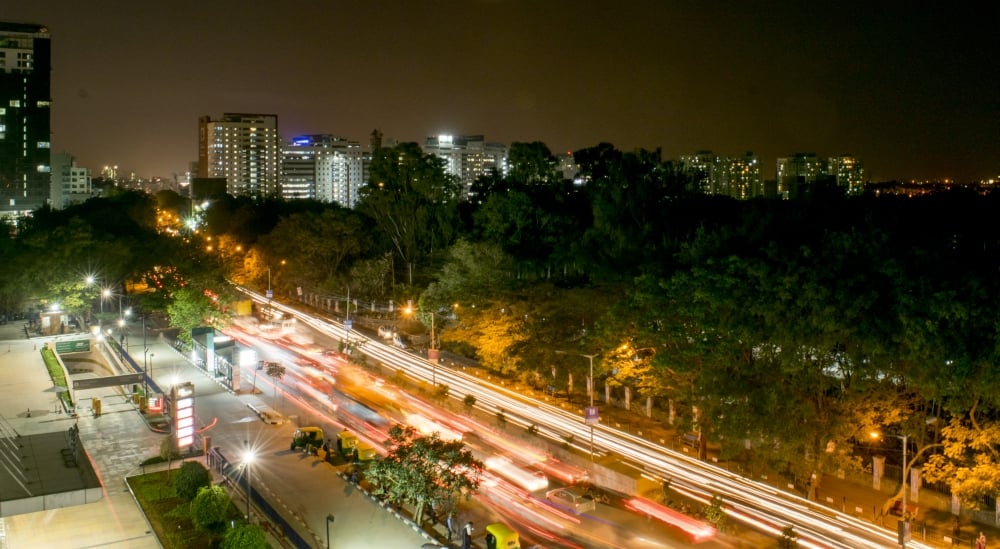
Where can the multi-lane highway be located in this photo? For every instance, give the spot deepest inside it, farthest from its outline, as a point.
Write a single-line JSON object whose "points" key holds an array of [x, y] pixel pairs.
{"points": [[760, 506]]}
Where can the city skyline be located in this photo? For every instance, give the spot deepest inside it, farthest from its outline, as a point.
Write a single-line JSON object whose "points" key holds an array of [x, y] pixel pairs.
{"points": [[909, 90]]}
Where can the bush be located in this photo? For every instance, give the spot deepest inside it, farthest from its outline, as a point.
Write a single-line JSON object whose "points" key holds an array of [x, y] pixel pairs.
{"points": [[191, 477], [245, 536], [208, 510]]}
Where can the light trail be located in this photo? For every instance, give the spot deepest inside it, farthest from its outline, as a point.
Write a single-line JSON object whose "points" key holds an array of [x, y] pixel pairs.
{"points": [[750, 501]]}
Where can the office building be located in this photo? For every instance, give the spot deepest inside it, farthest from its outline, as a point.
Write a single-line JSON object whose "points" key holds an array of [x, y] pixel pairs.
{"points": [[25, 149], [244, 149]]}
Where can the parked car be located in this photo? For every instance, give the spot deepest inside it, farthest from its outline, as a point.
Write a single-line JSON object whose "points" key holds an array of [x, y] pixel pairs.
{"points": [[572, 500], [386, 332], [398, 341]]}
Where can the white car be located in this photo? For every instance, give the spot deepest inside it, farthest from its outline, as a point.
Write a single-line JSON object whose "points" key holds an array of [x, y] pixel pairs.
{"points": [[574, 501], [398, 342], [386, 332]]}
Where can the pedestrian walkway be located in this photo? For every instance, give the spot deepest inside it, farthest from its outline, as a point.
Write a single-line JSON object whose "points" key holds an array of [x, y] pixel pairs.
{"points": [[115, 442]]}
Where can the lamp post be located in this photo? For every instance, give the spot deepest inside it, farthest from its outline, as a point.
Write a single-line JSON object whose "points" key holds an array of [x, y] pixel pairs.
{"points": [[248, 458], [590, 390], [905, 519], [105, 293], [329, 518], [145, 366]]}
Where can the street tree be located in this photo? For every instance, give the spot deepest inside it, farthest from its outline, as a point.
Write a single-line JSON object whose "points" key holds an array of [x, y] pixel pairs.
{"points": [[970, 461], [319, 244], [275, 371], [472, 274], [210, 508], [245, 536], [424, 470], [413, 201], [192, 307], [191, 477]]}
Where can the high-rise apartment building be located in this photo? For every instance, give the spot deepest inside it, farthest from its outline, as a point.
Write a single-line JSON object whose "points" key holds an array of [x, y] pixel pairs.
{"points": [[797, 172], [25, 148], [737, 177], [467, 156], [323, 167], [849, 173], [71, 184], [244, 149], [701, 165]]}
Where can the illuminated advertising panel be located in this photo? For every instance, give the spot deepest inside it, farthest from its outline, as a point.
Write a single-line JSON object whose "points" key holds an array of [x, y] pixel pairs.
{"points": [[182, 405]]}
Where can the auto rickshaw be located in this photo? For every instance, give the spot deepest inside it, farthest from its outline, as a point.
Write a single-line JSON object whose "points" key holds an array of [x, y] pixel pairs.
{"points": [[310, 438], [500, 536], [349, 446]]}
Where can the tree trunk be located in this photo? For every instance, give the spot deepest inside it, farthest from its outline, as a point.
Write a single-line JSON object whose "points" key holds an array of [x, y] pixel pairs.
{"points": [[418, 513]]}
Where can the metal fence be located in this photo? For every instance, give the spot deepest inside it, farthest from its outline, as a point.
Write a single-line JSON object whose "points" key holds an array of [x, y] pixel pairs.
{"points": [[234, 475]]}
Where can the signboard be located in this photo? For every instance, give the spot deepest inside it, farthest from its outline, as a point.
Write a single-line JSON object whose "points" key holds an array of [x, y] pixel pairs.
{"points": [[270, 294], [155, 405], [73, 346], [347, 328], [592, 415], [107, 381], [182, 406]]}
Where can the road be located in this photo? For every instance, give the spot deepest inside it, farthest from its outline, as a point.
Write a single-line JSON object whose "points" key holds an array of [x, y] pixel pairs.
{"points": [[304, 491], [331, 393], [748, 502]]}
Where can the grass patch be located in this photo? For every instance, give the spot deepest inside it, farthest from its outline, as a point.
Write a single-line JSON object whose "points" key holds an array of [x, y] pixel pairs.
{"points": [[169, 515], [57, 375]]}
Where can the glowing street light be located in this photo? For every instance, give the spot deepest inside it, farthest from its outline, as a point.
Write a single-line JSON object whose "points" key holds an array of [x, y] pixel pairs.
{"points": [[248, 458]]}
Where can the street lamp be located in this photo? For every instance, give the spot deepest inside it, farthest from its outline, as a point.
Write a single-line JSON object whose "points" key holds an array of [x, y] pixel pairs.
{"points": [[145, 365], [329, 519], [105, 293], [904, 531], [590, 390], [248, 457]]}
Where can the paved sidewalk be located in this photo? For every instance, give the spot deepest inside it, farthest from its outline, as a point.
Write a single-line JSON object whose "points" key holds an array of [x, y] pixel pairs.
{"points": [[115, 443]]}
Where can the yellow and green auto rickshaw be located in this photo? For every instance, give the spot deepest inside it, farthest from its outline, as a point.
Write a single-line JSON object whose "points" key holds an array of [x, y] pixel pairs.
{"points": [[500, 536]]}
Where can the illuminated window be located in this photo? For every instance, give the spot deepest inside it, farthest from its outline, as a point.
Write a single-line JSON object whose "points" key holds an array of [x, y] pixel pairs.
{"points": [[43, 145], [15, 102]]}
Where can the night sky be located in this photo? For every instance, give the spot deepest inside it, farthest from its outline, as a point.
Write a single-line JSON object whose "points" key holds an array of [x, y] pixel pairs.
{"points": [[912, 88]]}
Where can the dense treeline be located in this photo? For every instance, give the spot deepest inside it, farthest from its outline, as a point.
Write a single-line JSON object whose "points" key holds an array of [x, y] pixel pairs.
{"points": [[785, 330]]}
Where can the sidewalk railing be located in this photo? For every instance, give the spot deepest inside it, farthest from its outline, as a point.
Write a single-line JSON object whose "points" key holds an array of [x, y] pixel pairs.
{"points": [[218, 463]]}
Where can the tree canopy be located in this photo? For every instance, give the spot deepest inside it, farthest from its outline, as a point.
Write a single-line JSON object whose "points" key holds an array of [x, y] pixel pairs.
{"points": [[424, 470]]}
